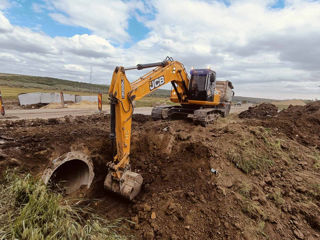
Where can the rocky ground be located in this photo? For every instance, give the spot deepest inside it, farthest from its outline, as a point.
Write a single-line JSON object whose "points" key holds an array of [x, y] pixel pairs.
{"points": [[242, 178]]}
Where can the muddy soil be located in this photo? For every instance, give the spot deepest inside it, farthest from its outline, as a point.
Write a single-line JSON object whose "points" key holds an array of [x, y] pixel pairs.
{"points": [[262, 111], [301, 123], [235, 179]]}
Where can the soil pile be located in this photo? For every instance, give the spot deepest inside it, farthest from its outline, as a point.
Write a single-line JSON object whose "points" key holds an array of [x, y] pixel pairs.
{"points": [[299, 122], [231, 180], [262, 111], [289, 102]]}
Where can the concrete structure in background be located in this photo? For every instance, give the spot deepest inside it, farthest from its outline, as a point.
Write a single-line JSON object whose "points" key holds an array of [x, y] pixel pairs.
{"points": [[55, 98], [87, 98], [29, 98], [26, 99]]}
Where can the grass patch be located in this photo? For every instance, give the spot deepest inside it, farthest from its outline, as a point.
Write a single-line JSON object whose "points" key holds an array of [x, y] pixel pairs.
{"points": [[315, 191], [275, 144], [252, 210], [316, 160], [153, 101], [260, 229], [29, 211], [248, 162], [48, 83], [276, 196], [245, 189]]}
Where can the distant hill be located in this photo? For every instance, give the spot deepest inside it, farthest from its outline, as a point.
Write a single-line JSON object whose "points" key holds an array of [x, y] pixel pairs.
{"points": [[48, 83], [55, 84]]}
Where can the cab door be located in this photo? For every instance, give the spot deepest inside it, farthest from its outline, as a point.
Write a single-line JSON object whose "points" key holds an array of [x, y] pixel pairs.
{"points": [[211, 85]]}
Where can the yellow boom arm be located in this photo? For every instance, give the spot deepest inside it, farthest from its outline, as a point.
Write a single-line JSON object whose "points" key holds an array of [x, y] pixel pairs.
{"points": [[122, 94]]}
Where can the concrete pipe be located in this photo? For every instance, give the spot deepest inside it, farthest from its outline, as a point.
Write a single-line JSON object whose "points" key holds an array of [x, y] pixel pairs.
{"points": [[69, 172]]}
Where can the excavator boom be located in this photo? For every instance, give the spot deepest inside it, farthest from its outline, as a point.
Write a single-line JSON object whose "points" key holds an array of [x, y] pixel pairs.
{"points": [[122, 93]]}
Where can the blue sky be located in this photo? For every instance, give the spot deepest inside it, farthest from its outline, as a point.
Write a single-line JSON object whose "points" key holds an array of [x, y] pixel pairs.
{"points": [[279, 4], [23, 13]]}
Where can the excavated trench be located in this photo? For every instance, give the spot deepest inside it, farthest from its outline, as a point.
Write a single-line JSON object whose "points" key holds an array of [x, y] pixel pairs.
{"points": [[69, 172]]}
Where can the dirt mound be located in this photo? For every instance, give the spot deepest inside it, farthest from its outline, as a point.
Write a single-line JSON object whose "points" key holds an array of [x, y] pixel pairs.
{"points": [[295, 102], [231, 180], [140, 118], [299, 122], [262, 111]]}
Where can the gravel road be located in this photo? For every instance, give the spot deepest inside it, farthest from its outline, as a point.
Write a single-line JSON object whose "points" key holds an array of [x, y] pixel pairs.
{"points": [[55, 113]]}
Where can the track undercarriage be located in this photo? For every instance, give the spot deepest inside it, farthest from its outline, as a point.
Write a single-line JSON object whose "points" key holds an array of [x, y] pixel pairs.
{"points": [[199, 115]]}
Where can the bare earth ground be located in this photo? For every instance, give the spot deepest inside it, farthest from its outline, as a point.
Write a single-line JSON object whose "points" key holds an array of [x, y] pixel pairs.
{"points": [[266, 186], [54, 111]]}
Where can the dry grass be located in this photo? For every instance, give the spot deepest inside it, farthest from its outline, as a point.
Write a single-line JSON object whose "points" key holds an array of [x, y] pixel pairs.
{"points": [[316, 160], [249, 161], [153, 101], [29, 211], [252, 209], [245, 189], [276, 196], [315, 191]]}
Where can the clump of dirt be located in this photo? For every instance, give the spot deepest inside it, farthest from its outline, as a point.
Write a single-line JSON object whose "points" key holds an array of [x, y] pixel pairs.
{"points": [[261, 111], [231, 180], [299, 122], [140, 118]]}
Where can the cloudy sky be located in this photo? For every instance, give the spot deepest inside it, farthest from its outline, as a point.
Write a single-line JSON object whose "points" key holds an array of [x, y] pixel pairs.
{"points": [[267, 48]]}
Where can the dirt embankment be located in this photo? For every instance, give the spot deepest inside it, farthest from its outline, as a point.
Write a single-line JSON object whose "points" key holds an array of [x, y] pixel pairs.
{"points": [[235, 179], [262, 111], [301, 123]]}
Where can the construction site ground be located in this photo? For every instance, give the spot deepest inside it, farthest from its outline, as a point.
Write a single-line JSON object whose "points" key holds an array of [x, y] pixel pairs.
{"points": [[55, 111], [235, 179]]}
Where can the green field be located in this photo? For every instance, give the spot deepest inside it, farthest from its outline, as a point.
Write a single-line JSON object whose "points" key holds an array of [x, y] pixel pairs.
{"points": [[47, 83], [53, 84], [12, 85]]}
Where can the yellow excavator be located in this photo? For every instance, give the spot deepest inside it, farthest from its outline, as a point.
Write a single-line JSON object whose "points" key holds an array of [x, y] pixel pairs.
{"points": [[200, 98]]}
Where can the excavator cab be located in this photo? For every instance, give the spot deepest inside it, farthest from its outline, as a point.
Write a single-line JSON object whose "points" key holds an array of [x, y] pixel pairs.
{"points": [[202, 84]]}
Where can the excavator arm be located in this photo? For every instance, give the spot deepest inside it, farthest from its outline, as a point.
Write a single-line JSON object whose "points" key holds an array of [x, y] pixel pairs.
{"points": [[122, 93]]}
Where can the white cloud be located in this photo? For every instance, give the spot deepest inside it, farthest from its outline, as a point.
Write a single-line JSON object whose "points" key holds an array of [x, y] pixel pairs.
{"points": [[90, 46], [5, 25], [75, 67], [266, 52], [245, 42], [4, 4], [108, 19]]}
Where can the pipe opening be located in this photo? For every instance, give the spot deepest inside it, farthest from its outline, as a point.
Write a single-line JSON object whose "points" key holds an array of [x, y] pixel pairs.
{"points": [[70, 176]]}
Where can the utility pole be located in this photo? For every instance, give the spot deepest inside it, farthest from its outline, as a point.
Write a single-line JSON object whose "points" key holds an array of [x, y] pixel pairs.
{"points": [[2, 111], [90, 73]]}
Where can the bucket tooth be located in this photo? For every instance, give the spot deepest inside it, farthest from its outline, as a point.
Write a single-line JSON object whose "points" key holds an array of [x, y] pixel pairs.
{"points": [[129, 185]]}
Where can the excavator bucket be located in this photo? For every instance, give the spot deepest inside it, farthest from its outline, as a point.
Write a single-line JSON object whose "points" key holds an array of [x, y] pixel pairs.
{"points": [[129, 185]]}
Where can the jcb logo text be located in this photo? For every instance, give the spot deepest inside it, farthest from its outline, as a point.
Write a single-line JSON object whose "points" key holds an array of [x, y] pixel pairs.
{"points": [[156, 83]]}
